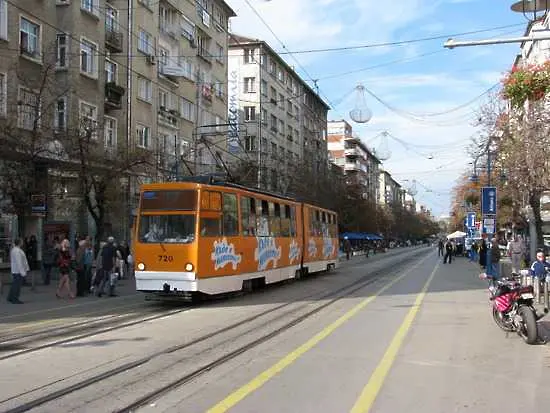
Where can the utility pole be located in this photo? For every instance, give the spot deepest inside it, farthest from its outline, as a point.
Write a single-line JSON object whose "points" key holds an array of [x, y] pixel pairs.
{"points": [[198, 110], [259, 174]]}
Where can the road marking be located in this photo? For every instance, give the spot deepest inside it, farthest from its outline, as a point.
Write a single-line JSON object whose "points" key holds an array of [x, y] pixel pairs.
{"points": [[290, 358], [371, 390], [47, 310], [47, 322]]}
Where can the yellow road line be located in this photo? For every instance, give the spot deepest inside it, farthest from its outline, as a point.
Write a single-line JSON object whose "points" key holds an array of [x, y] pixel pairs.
{"points": [[290, 358], [371, 390]]}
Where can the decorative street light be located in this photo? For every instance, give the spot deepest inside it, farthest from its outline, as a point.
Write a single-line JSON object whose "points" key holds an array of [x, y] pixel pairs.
{"points": [[531, 9], [361, 112]]}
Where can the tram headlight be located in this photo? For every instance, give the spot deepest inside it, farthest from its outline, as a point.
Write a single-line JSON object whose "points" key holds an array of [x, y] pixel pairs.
{"points": [[141, 266], [189, 267]]}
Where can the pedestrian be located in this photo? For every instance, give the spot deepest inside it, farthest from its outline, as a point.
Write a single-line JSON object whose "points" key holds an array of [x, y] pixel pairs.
{"points": [[483, 254], [81, 284], [88, 262], [347, 247], [19, 269], [448, 252], [495, 258], [440, 248], [108, 262], [64, 263], [516, 251], [48, 261]]}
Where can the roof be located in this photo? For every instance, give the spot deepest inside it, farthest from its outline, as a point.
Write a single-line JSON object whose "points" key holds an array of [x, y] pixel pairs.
{"points": [[237, 41]]}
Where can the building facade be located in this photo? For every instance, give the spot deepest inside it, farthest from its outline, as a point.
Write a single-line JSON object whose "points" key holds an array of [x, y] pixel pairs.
{"points": [[347, 151], [276, 120], [391, 193], [139, 75]]}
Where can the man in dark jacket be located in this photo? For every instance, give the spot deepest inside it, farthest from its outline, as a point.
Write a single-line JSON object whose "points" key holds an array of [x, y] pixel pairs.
{"points": [[108, 259], [448, 252]]}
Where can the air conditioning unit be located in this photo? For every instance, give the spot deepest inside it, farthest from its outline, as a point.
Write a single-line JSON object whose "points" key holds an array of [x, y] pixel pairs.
{"points": [[151, 59]]}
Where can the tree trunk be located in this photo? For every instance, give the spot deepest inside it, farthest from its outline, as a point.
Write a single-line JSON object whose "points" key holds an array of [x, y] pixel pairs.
{"points": [[534, 203]]}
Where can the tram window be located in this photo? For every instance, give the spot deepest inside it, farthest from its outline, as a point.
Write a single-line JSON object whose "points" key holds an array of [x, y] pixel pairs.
{"points": [[292, 221], [210, 227], [230, 220], [275, 219], [262, 227], [285, 221], [248, 216]]}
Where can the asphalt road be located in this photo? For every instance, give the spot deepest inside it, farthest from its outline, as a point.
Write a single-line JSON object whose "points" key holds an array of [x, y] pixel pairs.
{"points": [[407, 334]]}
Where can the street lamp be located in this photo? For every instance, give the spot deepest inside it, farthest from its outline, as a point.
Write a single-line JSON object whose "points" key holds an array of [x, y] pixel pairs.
{"points": [[361, 112]]}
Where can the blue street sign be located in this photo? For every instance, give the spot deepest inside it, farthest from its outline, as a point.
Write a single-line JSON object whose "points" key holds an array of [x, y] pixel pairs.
{"points": [[471, 220], [489, 200]]}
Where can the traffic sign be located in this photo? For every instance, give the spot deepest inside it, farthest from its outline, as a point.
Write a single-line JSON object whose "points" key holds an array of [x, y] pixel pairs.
{"points": [[471, 220]]}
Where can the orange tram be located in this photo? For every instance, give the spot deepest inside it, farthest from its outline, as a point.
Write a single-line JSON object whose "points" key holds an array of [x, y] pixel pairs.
{"points": [[212, 237]]}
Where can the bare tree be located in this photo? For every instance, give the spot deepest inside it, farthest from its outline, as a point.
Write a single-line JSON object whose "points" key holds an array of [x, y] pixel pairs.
{"points": [[29, 141]]}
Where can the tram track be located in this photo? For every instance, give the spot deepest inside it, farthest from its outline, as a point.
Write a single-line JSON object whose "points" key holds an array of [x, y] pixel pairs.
{"points": [[332, 296]]}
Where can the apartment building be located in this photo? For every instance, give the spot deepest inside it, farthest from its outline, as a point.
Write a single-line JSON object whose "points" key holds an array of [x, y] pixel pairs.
{"points": [[145, 74], [276, 120], [347, 151], [179, 82], [391, 193]]}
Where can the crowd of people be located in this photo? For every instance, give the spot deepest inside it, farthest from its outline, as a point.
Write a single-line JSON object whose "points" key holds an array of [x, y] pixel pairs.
{"points": [[94, 272]]}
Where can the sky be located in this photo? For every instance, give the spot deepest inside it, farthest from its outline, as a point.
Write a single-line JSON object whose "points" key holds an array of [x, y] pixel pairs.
{"points": [[425, 96]]}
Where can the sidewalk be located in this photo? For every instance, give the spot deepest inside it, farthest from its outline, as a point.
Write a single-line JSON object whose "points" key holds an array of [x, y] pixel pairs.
{"points": [[43, 297]]}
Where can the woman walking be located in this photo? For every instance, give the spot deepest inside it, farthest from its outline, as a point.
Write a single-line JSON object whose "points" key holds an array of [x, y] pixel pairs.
{"points": [[64, 264]]}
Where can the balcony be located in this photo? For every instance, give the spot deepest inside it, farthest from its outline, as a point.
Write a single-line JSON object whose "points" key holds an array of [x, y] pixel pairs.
{"points": [[114, 40], [113, 95], [352, 138], [352, 152], [169, 117], [170, 30], [352, 166]]}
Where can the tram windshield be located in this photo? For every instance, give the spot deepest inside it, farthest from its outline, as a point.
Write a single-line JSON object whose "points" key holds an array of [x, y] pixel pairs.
{"points": [[169, 229]]}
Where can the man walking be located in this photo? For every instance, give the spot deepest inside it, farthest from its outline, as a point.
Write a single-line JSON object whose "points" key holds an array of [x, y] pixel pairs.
{"points": [[19, 268], [448, 252], [440, 252]]}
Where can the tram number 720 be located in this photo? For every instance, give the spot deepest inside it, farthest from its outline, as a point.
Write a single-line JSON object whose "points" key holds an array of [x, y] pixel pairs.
{"points": [[166, 258]]}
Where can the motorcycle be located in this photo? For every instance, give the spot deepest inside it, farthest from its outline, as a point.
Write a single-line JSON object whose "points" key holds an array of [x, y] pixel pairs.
{"points": [[513, 307]]}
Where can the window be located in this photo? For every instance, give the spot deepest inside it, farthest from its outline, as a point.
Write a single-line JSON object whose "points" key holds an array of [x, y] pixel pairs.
{"points": [[262, 222], [248, 216], [167, 229], [273, 123], [28, 109], [187, 109], [186, 66], [230, 215], [220, 54], [281, 127], [292, 221], [110, 71], [187, 28], [264, 116], [3, 93], [29, 38], [60, 119], [143, 136], [110, 132], [89, 5], [280, 75], [285, 220], [275, 219], [144, 89], [250, 143], [274, 150], [249, 113], [3, 19], [281, 100], [163, 100], [145, 42], [249, 85], [249, 55], [218, 88], [88, 57], [271, 66], [263, 87], [62, 50], [88, 119], [111, 19]]}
